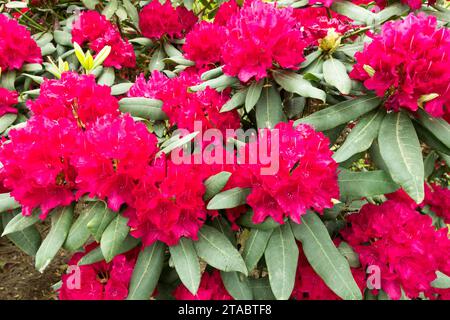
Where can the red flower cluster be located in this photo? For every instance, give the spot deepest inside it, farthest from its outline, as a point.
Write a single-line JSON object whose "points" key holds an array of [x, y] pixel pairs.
{"points": [[16, 45], [259, 36], [157, 20], [409, 61], [168, 203], [306, 179], [184, 107], [438, 198], [94, 28], [8, 99], [100, 280], [211, 288], [403, 244]]}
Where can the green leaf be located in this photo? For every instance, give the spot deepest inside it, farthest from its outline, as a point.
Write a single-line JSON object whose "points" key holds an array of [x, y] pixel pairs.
{"points": [[325, 258], [255, 246], [215, 184], [131, 11], [292, 82], [143, 108], [228, 199], [96, 255], [361, 136], [269, 108], [6, 121], [90, 4], [253, 94], [110, 9], [61, 222], [219, 82], [20, 222], [79, 232], [171, 51], [114, 235], [121, 88], [8, 79], [401, 152], [349, 254], [429, 163], [214, 247], [281, 258], [28, 240], [261, 289], [237, 285], [430, 139], [393, 10], [63, 38], [246, 221], [437, 126], [211, 74], [156, 61], [221, 224], [335, 74], [102, 217], [236, 100], [442, 281], [107, 77], [7, 202], [341, 113], [186, 263], [146, 272], [365, 184], [177, 143], [354, 12]]}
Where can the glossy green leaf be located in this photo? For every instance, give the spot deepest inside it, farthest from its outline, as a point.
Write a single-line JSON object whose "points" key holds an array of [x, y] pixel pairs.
{"points": [[113, 236], [255, 246], [102, 216], [228, 199], [143, 108], [28, 240], [365, 184], [253, 94], [295, 83]]}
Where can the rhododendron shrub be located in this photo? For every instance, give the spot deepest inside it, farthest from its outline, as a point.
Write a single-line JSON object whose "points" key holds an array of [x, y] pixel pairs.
{"points": [[237, 150]]}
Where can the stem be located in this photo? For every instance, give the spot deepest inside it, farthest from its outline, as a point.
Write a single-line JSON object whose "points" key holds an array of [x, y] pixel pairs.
{"points": [[34, 23], [356, 32]]}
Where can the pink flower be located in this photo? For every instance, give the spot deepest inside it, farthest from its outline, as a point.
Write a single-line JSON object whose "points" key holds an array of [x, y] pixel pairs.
{"points": [[204, 42], [261, 35], [16, 45], [115, 154], [75, 97], [410, 63], [403, 244], [100, 280], [326, 3], [157, 20], [37, 164], [168, 203], [8, 99], [438, 198], [306, 179], [184, 107], [94, 28], [211, 288], [225, 12]]}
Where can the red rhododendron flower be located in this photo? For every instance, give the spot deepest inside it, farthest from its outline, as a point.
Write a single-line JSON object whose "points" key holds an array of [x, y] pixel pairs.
{"points": [[157, 20], [8, 99], [310, 286], [326, 3], [261, 35], [94, 28], [16, 45], [211, 288], [184, 107], [100, 280], [204, 42], [225, 12], [76, 97], [168, 203], [37, 164], [438, 198], [306, 179], [403, 244], [115, 154], [410, 64]]}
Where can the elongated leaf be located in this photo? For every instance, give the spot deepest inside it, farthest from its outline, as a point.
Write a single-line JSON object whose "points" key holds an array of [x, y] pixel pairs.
{"points": [[365, 184], [7, 202], [215, 184], [177, 143], [236, 100], [253, 94], [437, 126], [28, 240], [325, 258], [269, 108], [221, 224], [7, 120], [96, 255], [335, 74], [143, 108], [61, 222], [107, 77], [211, 74], [186, 263], [361, 136], [214, 247], [292, 82], [255, 246], [156, 61], [219, 82], [237, 285], [146, 272], [349, 254], [79, 232], [114, 235], [131, 11], [354, 12], [341, 113], [261, 289], [429, 163], [110, 8], [230, 198], [401, 152], [102, 216], [442, 281], [20, 222], [246, 221], [281, 258], [121, 88], [63, 38]]}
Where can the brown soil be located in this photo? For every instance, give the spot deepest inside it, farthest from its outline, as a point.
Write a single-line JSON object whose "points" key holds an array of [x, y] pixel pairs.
{"points": [[19, 280]]}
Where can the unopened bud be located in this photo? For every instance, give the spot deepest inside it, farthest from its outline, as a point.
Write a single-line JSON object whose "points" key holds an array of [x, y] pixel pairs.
{"points": [[331, 42]]}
